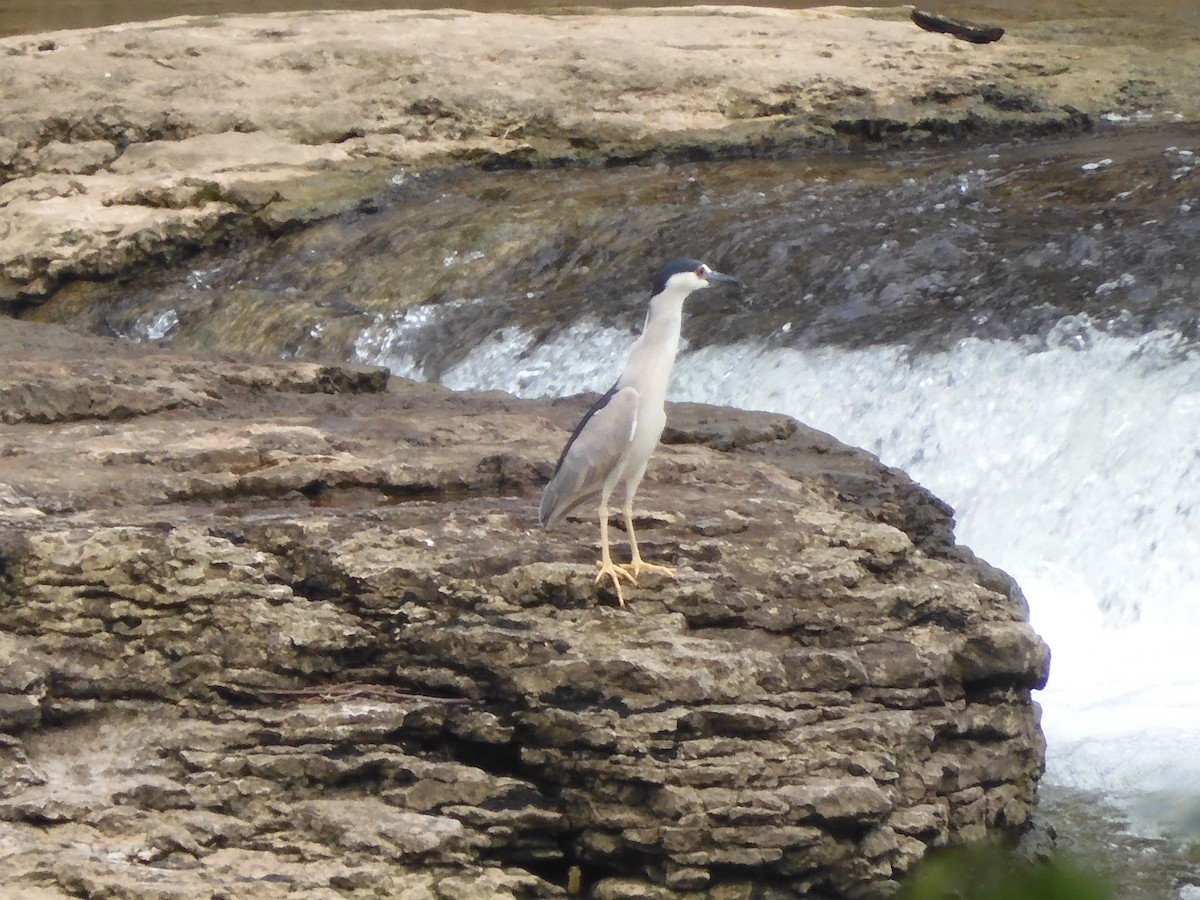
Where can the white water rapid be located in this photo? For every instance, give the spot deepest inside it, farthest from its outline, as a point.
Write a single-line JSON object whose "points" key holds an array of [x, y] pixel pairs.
{"points": [[1074, 465]]}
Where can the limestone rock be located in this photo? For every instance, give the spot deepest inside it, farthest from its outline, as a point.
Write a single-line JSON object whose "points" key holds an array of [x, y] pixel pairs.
{"points": [[284, 629]]}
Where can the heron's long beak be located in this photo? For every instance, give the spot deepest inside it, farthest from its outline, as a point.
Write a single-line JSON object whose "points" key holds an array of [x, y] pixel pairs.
{"points": [[721, 277]]}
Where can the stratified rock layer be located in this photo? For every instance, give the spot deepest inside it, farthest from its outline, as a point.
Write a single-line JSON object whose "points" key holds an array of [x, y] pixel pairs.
{"points": [[289, 630]]}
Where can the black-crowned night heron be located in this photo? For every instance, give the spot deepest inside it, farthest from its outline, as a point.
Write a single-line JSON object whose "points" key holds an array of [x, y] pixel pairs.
{"points": [[615, 439]]}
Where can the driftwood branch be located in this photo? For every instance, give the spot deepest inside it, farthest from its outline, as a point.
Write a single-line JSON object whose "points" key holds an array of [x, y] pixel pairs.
{"points": [[967, 31]]}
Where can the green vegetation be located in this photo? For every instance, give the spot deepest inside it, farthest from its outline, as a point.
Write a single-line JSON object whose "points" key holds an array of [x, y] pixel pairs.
{"points": [[994, 873]]}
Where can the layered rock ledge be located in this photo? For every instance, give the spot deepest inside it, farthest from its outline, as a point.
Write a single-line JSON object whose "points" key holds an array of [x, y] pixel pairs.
{"points": [[290, 629], [126, 143]]}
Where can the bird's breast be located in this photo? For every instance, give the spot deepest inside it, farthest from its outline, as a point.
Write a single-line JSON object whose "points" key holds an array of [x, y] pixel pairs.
{"points": [[649, 368]]}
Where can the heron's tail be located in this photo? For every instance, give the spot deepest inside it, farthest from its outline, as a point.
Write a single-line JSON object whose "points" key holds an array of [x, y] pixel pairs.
{"points": [[559, 500], [548, 512]]}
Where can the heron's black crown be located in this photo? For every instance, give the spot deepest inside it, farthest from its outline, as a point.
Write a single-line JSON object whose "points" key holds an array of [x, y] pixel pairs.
{"points": [[674, 268]]}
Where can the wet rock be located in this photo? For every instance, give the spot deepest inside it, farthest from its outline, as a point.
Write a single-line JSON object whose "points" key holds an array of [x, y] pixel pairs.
{"points": [[284, 629]]}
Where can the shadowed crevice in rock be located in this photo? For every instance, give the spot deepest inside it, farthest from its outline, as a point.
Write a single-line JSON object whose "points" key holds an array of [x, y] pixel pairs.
{"points": [[218, 676]]}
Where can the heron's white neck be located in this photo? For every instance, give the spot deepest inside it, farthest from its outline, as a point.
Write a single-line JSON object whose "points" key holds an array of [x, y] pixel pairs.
{"points": [[666, 313], [652, 357]]}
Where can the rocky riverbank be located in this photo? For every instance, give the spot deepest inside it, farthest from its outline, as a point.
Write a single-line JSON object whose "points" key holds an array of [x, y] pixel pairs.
{"points": [[289, 629], [127, 143]]}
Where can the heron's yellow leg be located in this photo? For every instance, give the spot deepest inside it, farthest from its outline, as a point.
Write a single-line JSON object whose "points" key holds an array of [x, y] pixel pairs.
{"points": [[606, 566], [637, 565]]}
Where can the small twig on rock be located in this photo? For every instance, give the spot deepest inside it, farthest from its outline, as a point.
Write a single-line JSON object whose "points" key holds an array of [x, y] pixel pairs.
{"points": [[967, 31]]}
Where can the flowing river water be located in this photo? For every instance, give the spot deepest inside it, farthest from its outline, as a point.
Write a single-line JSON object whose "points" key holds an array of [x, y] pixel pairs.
{"points": [[1172, 17], [1014, 325]]}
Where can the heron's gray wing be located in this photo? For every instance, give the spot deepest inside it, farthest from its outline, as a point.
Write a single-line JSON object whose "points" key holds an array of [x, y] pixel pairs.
{"points": [[591, 454]]}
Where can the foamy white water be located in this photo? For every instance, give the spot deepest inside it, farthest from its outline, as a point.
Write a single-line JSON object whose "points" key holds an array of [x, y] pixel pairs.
{"points": [[396, 340], [1075, 467]]}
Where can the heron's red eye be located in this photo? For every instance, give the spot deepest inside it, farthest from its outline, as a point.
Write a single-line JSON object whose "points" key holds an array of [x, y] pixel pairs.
{"points": [[701, 272]]}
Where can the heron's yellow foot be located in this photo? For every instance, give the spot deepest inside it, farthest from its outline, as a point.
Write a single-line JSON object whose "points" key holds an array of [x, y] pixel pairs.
{"points": [[637, 566], [610, 569]]}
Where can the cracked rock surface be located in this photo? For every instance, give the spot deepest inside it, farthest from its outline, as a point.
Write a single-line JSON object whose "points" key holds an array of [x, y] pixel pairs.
{"points": [[288, 629]]}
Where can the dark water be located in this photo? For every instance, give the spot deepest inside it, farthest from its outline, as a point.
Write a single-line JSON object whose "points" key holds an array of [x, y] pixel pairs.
{"points": [[1089, 828], [1170, 17], [29, 16], [920, 249]]}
